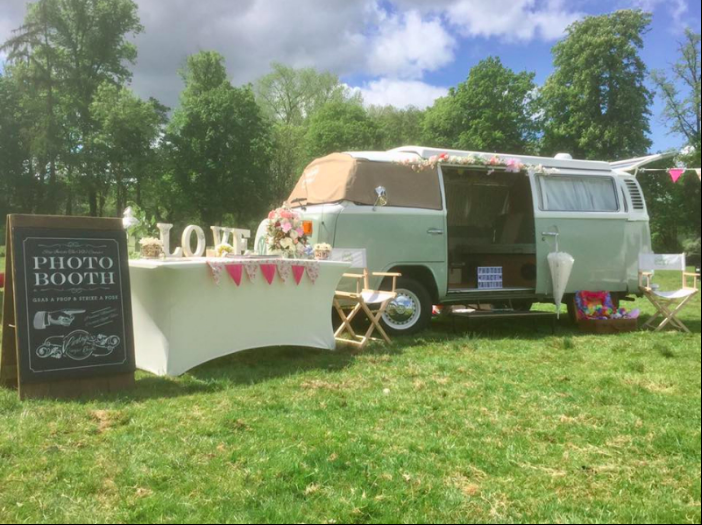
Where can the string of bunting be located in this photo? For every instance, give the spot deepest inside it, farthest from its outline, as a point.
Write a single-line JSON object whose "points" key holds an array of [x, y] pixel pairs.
{"points": [[675, 173], [268, 268]]}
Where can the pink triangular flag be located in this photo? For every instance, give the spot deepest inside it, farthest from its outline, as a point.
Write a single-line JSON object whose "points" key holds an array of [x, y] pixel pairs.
{"points": [[236, 271], [676, 173], [298, 272], [268, 271]]}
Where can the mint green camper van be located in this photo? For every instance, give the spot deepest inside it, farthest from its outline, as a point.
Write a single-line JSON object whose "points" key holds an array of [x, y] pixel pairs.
{"points": [[467, 227]]}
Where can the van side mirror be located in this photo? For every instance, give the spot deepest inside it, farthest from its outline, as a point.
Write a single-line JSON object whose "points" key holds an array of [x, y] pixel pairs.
{"points": [[382, 197]]}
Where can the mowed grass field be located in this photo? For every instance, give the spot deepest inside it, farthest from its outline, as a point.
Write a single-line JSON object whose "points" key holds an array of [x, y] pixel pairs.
{"points": [[505, 424]]}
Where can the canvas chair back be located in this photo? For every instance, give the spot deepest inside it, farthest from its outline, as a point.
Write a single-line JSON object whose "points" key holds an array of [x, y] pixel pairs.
{"points": [[650, 262], [356, 256]]}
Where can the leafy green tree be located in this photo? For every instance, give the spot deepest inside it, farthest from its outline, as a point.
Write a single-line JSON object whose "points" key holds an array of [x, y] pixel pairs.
{"points": [[288, 98], [681, 93], [398, 127], [33, 58], [596, 104], [127, 131], [491, 111], [219, 144], [17, 183], [64, 51], [340, 126], [290, 95]]}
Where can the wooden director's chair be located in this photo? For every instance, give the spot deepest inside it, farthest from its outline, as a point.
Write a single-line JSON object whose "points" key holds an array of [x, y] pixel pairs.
{"points": [[373, 303], [668, 304]]}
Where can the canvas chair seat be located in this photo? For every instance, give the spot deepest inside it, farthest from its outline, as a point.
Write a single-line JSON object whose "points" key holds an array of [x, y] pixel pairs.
{"points": [[673, 296], [668, 304], [375, 297], [362, 300]]}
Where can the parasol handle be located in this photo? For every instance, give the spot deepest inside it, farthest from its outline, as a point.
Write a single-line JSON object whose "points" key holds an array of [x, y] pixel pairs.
{"points": [[555, 235]]}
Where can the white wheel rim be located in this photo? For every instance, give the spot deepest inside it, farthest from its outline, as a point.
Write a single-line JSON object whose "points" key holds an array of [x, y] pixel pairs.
{"points": [[404, 311]]}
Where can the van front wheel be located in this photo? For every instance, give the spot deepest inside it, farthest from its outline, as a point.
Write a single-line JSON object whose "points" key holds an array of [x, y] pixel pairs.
{"points": [[410, 311]]}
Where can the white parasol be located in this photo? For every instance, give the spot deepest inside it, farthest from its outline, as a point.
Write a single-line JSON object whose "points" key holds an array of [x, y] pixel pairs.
{"points": [[561, 267]]}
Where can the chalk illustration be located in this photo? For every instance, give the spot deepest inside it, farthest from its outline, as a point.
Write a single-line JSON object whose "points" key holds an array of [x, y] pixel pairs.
{"points": [[65, 318], [78, 346]]}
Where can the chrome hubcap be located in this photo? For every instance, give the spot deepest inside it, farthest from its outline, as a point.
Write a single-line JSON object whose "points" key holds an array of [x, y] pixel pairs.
{"points": [[404, 311]]}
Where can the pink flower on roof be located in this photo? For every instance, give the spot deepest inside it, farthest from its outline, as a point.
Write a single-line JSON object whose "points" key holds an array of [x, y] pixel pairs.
{"points": [[513, 166]]}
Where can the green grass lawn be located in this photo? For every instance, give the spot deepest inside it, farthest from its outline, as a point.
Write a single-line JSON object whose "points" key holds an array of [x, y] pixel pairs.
{"points": [[509, 424]]}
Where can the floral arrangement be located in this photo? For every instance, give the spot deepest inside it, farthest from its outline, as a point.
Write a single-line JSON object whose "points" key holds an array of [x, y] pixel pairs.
{"points": [[151, 247], [286, 233], [494, 162], [224, 250], [322, 251]]}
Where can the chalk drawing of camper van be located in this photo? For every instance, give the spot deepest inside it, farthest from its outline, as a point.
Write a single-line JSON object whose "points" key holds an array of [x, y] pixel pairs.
{"points": [[78, 346]]}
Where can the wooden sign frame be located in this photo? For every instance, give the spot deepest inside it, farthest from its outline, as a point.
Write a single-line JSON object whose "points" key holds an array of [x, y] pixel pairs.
{"points": [[12, 374]]}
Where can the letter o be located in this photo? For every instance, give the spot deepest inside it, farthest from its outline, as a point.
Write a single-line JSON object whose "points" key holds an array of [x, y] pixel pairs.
{"points": [[201, 243]]}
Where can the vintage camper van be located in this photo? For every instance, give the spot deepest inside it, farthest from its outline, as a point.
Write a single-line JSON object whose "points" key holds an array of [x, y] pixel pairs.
{"points": [[467, 227]]}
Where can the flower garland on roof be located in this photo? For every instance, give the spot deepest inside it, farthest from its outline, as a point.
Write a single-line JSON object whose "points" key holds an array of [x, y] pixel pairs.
{"points": [[492, 163]]}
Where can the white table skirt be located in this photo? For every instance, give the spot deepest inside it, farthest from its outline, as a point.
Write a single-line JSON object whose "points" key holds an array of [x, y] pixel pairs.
{"points": [[183, 319]]}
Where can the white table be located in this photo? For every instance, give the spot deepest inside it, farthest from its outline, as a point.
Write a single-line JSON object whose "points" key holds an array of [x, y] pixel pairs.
{"points": [[183, 319]]}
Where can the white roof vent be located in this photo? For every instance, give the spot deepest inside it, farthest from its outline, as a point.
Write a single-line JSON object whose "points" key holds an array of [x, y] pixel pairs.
{"points": [[564, 156]]}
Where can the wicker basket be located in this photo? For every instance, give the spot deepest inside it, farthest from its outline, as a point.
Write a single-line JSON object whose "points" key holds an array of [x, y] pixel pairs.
{"points": [[322, 255], [151, 251], [608, 326]]}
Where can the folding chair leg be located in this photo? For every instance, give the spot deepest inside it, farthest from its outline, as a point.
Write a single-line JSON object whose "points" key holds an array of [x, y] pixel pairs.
{"points": [[346, 320], [671, 318]]}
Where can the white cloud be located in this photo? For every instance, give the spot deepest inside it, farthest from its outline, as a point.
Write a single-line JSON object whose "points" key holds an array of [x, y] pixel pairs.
{"points": [[400, 93], [407, 46], [512, 20], [676, 8]]}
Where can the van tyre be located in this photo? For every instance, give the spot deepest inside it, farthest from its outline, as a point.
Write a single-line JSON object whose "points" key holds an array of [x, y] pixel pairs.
{"points": [[411, 312]]}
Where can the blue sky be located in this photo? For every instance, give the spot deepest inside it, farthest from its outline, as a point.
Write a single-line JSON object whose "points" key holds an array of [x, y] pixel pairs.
{"points": [[397, 52]]}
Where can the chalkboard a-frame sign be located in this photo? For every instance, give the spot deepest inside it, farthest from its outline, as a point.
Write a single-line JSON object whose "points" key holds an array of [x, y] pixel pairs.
{"points": [[67, 314]]}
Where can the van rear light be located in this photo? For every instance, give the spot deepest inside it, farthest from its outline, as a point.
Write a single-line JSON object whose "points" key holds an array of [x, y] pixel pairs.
{"points": [[307, 227]]}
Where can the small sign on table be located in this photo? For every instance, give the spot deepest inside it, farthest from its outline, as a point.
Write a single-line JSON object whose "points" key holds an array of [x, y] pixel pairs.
{"points": [[67, 314]]}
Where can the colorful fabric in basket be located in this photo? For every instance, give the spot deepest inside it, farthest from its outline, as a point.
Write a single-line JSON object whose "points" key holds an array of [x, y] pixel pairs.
{"points": [[599, 306]]}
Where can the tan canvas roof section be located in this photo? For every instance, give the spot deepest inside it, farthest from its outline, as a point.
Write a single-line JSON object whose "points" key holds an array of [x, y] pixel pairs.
{"points": [[341, 177]]}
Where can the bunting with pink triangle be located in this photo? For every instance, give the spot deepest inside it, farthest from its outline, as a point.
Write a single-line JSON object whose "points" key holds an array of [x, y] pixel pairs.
{"points": [[236, 272], [268, 271], [676, 173], [298, 272]]}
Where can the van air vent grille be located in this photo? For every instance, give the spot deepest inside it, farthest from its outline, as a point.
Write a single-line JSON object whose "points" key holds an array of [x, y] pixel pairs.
{"points": [[637, 198]]}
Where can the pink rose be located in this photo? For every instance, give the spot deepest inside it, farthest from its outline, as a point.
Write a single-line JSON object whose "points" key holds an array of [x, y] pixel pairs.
{"points": [[287, 227], [300, 232]]}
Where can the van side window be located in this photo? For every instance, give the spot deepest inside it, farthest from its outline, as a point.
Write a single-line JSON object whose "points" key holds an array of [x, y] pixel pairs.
{"points": [[579, 194]]}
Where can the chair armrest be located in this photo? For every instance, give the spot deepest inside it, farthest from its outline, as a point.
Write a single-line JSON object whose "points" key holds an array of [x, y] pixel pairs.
{"points": [[645, 277], [688, 275], [346, 295], [394, 276], [353, 276]]}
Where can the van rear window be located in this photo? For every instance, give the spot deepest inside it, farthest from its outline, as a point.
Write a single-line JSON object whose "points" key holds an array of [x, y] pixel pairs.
{"points": [[579, 194]]}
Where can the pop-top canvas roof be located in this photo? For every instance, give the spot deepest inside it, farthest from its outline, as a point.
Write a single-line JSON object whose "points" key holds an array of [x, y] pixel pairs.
{"points": [[342, 177]]}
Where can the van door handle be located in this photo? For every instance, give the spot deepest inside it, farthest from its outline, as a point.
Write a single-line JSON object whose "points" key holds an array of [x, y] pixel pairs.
{"points": [[435, 231]]}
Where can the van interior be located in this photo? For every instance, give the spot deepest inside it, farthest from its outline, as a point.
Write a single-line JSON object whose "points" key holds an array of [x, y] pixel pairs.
{"points": [[491, 231]]}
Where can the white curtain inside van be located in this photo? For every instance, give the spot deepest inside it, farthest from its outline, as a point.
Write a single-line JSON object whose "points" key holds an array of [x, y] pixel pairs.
{"points": [[583, 194]]}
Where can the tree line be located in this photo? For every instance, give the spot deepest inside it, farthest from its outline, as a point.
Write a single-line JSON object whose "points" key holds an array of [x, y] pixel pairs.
{"points": [[76, 140]]}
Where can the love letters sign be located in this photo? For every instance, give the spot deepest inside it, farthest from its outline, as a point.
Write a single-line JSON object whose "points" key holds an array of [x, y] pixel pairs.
{"points": [[67, 318], [237, 238]]}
